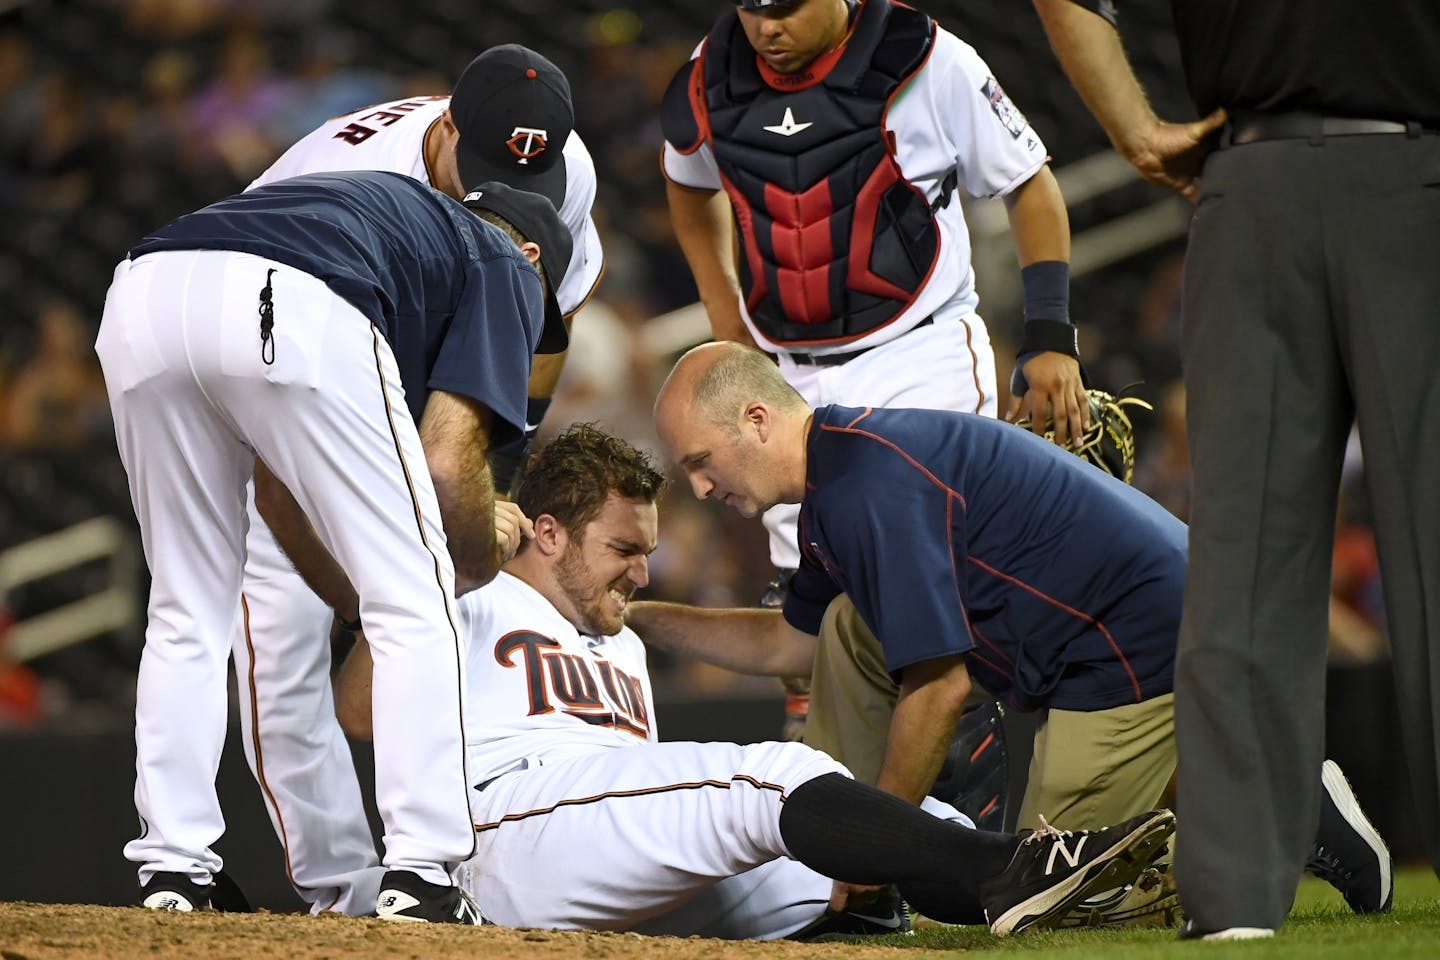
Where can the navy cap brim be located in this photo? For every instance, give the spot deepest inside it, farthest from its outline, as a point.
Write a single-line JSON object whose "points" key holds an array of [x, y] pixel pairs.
{"points": [[549, 183]]}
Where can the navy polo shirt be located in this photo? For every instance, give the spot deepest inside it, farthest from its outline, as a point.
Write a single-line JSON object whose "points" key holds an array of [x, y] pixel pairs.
{"points": [[960, 534], [458, 303]]}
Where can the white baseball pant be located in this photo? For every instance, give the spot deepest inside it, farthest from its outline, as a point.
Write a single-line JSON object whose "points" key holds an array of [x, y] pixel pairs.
{"points": [[293, 743], [193, 404]]}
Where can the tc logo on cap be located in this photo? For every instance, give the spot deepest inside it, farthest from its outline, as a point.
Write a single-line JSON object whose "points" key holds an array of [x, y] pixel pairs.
{"points": [[527, 142]]}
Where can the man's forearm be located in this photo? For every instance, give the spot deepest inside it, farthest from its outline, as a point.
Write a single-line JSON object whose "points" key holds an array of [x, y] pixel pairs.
{"points": [[1039, 223], [932, 695], [455, 432], [1091, 54], [757, 642], [292, 530], [465, 490], [703, 225]]}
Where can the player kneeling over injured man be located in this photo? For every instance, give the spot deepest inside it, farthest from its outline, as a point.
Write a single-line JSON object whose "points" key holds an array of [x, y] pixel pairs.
{"points": [[941, 546], [585, 821]]}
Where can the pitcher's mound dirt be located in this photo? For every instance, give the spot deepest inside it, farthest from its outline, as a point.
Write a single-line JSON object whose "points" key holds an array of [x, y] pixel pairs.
{"points": [[30, 931]]}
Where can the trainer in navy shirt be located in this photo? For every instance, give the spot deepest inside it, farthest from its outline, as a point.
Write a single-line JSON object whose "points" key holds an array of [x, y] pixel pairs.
{"points": [[419, 265], [959, 534]]}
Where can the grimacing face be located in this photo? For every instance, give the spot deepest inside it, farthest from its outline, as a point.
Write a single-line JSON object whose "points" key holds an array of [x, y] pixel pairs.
{"points": [[789, 37], [599, 570]]}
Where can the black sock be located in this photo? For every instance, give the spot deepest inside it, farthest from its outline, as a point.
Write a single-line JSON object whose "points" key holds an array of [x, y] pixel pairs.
{"points": [[857, 834]]}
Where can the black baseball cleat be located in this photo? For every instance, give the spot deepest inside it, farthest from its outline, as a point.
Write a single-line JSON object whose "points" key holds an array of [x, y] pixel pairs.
{"points": [[886, 915], [175, 891], [406, 897], [1349, 852], [1053, 870]]}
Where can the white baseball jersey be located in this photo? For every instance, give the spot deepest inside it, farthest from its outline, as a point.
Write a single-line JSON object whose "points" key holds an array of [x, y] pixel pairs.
{"points": [[584, 821], [952, 115], [546, 693], [304, 768], [391, 136]]}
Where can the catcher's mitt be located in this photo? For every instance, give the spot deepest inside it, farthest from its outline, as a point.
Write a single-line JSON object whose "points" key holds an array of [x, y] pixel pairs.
{"points": [[1110, 441]]}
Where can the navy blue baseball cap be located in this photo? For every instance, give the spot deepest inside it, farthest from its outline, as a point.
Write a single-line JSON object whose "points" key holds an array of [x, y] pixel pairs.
{"points": [[513, 111], [535, 218]]}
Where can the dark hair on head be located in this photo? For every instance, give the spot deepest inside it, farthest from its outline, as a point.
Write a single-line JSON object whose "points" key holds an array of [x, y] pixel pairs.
{"points": [[573, 475]]}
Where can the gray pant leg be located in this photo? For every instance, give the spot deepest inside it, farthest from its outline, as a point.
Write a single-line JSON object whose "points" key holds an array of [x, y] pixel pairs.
{"points": [[1268, 413], [1386, 270]]}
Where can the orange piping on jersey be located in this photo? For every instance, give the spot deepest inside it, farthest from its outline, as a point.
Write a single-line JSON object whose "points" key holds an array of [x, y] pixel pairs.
{"points": [[1073, 612], [586, 299], [260, 753], [624, 794], [425, 154], [974, 367], [439, 578], [907, 458], [951, 496]]}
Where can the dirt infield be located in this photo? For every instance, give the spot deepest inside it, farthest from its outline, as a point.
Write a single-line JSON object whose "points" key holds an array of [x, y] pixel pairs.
{"points": [[31, 931]]}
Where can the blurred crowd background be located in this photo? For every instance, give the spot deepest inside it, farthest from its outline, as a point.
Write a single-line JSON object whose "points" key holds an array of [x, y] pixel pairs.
{"points": [[117, 115]]}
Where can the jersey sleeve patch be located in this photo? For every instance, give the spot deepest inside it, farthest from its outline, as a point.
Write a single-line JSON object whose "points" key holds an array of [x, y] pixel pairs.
{"points": [[1009, 115], [677, 111]]}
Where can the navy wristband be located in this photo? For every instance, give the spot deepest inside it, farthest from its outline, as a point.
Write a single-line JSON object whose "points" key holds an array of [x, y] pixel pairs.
{"points": [[1047, 310]]}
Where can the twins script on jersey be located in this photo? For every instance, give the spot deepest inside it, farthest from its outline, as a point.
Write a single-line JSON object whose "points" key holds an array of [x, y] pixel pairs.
{"points": [[540, 691]]}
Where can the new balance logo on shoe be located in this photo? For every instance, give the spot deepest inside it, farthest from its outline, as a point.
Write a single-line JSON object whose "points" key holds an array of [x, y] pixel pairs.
{"points": [[1071, 859], [406, 897], [168, 901]]}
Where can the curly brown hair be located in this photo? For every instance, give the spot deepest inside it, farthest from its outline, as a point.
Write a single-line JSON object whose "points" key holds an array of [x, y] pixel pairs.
{"points": [[573, 475]]}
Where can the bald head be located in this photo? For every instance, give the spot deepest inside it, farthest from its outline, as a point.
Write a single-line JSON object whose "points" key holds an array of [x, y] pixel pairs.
{"points": [[727, 417], [715, 382]]}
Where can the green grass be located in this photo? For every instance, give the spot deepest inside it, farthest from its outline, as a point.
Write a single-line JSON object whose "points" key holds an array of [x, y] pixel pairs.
{"points": [[1321, 926]]}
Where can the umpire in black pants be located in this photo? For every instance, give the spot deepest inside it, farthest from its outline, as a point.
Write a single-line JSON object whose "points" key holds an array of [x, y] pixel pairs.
{"points": [[1312, 296]]}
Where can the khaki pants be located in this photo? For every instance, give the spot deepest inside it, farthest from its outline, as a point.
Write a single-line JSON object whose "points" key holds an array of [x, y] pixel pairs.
{"points": [[1089, 769]]}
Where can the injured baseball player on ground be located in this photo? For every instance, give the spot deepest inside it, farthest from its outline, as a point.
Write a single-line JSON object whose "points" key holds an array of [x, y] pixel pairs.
{"points": [[584, 820]]}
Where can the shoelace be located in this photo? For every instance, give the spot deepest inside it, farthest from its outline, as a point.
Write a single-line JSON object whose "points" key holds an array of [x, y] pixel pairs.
{"points": [[1327, 866], [1045, 831]]}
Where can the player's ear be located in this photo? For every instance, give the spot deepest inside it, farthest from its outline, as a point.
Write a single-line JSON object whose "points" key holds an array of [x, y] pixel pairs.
{"points": [[549, 535], [757, 417], [531, 250]]}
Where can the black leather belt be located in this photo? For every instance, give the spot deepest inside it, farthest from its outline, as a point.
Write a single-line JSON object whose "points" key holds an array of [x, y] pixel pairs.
{"points": [[1254, 127], [835, 359]]}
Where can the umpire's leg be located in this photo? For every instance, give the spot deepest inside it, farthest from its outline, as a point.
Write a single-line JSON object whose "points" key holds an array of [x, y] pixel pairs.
{"points": [[1268, 414], [1386, 207]]}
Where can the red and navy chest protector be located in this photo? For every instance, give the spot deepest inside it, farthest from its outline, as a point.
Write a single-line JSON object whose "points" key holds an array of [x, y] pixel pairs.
{"points": [[836, 243]]}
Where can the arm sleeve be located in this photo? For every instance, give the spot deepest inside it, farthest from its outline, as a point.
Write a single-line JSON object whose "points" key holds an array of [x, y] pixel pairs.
{"points": [[587, 261], [810, 592], [486, 352], [903, 553], [994, 146]]}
